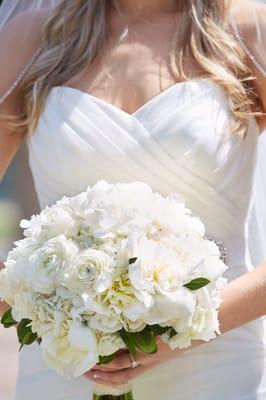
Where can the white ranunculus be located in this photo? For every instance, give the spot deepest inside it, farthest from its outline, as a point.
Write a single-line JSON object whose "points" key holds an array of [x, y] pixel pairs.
{"points": [[109, 343], [47, 265], [51, 222], [72, 353], [91, 269]]}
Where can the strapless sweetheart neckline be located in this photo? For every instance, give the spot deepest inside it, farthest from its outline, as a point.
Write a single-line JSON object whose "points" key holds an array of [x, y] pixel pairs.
{"points": [[147, 103]]}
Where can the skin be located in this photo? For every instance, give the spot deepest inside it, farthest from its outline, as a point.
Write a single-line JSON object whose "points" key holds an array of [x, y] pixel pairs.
{"points": [[244, 298]]}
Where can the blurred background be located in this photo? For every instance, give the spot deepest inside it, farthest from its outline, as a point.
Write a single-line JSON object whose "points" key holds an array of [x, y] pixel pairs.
{"points": [[17, 201]]}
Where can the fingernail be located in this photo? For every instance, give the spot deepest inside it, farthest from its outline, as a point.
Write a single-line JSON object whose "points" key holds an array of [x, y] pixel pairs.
{"points": [[96, 375]]}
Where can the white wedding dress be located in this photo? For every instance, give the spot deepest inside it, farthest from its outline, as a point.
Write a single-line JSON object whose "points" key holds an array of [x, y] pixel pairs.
{"points": [[177, 141]]}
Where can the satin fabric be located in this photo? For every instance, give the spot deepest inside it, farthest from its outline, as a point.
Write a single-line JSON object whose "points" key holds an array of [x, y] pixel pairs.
{"points": [[178, 141]]}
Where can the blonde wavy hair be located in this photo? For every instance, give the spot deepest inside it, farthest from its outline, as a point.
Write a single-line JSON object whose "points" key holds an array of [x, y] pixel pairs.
{"points": [[74, 33]]}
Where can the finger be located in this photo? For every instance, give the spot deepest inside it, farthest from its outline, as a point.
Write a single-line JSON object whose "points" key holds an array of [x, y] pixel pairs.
{"points": [[103, 368], [109, 378], [116, 378]]}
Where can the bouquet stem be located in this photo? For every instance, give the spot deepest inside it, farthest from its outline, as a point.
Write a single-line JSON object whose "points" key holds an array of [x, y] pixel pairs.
{"points": [[126, 396]]}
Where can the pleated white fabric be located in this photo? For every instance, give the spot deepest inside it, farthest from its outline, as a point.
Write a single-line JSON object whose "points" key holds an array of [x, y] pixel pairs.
{"points": [[178, 141]]}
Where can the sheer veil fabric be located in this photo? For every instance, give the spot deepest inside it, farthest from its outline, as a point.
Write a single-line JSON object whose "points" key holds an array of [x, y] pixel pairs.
{"points": [[10, 8]]}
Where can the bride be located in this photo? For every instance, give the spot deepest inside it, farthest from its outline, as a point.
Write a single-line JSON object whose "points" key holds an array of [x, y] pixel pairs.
{"points": [[170, 92]]}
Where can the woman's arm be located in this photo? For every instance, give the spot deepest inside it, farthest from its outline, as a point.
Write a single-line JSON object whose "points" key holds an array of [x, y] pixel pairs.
{"points": [[19, 40], [244, 299]]}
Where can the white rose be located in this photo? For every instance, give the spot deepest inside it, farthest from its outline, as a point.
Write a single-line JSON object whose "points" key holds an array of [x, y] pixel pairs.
{"points": [[51, 222], [47, 265], [109, 343], [91, 269], [72, 353]]}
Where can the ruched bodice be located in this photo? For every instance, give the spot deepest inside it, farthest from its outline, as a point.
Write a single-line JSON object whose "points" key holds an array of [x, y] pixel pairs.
{"points": [[178, 141]]}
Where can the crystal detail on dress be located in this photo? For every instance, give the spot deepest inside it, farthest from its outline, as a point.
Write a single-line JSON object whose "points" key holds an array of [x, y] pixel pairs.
{"points": [[20, 76], [245, 47], [221, 246]]}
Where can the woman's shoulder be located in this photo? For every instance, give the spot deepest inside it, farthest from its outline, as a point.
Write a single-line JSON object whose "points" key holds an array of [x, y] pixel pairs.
{"points": [[20, 38]]}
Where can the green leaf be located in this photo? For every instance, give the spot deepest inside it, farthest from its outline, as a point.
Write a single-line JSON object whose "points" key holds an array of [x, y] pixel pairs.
{"points": [[7, 319], [129, 341], [25, 334], [107, 359], [197, 283], [172, 333], [158, 330], [132, 260], [146, 341]]}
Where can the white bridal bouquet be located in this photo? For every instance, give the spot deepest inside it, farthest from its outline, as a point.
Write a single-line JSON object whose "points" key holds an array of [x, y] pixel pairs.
{"points": [[112, 268]]}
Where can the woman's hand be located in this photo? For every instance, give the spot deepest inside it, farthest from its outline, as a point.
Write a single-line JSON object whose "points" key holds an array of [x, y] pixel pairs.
{"points": [[120, 371]]}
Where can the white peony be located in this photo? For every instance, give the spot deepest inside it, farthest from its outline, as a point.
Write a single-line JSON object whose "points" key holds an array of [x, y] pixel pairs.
{"points": [[203, 326], [51, 222], [157, 269], [13, 277], [178, 304], [73, 352], [47, 265], [7, 289], [23, 306]]}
